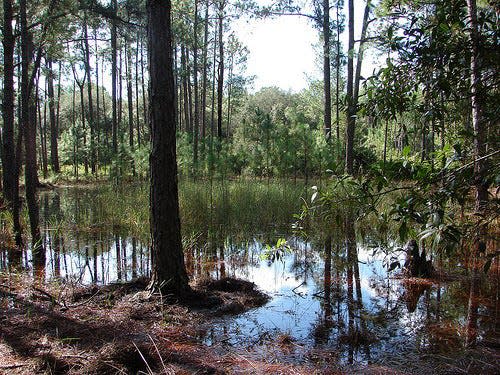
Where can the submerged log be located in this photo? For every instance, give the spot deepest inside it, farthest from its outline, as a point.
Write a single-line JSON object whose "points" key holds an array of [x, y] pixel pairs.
{"points": [[416, 264]]}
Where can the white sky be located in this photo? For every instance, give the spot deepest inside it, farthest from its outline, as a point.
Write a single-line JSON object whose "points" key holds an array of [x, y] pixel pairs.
{"points": [[282, 53]]}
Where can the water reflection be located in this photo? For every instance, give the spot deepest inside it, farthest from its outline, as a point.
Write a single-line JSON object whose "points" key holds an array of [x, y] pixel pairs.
{"points": [[330, 293]]}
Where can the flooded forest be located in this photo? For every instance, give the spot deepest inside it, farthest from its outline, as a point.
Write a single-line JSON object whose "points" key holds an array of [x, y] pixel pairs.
{"points": [[162, 211]]}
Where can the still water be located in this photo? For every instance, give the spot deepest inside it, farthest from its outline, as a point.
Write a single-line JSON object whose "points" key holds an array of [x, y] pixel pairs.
{"points": [[330, 294]]}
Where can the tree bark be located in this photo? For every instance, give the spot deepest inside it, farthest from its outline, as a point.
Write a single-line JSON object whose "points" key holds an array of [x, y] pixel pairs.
{"points": [[353, 82], [54, 155], [326, 71], [168, 268], [28, 121], [220, 78], [205, 75], [89, 94], [196, 129], [480, 167], [349, 148], [10, 175], [114, 77], [185, 84]]}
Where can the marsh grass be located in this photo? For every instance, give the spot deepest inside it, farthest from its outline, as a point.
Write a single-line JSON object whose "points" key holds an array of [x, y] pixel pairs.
{"points": [[206, 207]]}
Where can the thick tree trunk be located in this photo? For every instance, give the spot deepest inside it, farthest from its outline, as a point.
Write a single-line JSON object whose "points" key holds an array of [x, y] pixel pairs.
{"points": [[28, 121], [168, 268], [10, 176]]}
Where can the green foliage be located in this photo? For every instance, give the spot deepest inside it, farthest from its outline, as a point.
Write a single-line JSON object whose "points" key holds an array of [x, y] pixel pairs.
{"points": [[276, 252]]}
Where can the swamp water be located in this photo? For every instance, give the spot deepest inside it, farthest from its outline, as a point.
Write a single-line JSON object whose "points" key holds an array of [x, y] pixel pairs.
{"points": [[331, 299]]}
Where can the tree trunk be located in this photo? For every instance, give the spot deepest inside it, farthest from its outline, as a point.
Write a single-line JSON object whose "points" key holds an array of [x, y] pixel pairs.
{"points": [[349, 148], [113, 77], [168, 268], [97, 107], [205, 75], [42, 125], [9, 161], [480, 167], [128, 73], [137, 121], [89, 94], [185, 84], [353, 81], [326, 71], [28, 121], [337, 79], [220, 78], [143, 88], [54, 156], [196, 129]]}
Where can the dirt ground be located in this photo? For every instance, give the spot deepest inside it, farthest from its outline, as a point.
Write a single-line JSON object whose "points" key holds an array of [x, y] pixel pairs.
{"points": [[120, 329]]}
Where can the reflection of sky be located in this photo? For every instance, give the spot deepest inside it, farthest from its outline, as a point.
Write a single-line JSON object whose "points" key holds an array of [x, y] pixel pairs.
{"points": [[294, 283], [294, 308]]}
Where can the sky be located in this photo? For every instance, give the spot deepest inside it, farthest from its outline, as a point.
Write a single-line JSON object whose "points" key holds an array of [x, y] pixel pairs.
{"points": [[282, 51]]}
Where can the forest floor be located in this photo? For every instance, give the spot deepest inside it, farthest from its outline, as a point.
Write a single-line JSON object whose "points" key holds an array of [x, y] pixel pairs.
{"points": [[59, 329]]}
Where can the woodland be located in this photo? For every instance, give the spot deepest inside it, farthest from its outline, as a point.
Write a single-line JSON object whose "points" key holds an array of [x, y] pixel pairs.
{"points": [[160, 215]]}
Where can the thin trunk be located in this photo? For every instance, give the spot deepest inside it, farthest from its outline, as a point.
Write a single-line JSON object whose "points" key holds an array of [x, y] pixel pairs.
{"points": [[220, 78], [114, 76], [75, 132], [137, 121], [143, 89], [337, 77], [189, 93], [349, 152], [89, 94], [353, 81], [205, 75], [385, 140], [187, 117], [97, 109], [229, 92], [326, 71], [120, 96], [480, 167], [178, 90], [42, 125], [128, 72], [196, 129], [54, 156]]}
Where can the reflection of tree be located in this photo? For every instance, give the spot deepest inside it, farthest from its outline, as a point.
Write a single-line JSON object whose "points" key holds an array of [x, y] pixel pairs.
{"points": [[357, 331], [414, 289], [323, 328]]}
